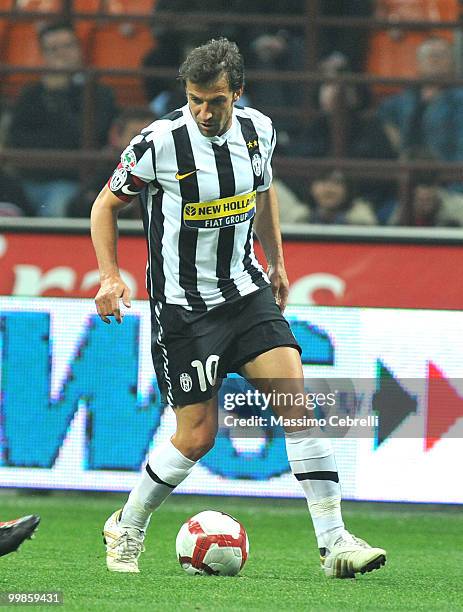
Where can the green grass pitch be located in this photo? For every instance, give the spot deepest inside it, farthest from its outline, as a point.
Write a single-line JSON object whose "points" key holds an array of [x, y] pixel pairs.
{"points": [[423, 572]]}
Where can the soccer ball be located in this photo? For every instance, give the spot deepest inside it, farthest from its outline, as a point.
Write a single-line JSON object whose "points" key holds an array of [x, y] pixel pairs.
{"points": [[212, 543]]}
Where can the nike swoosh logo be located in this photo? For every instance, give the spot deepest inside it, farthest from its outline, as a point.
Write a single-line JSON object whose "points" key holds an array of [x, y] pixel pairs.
{"points": [[125, 189], [179, 177]]}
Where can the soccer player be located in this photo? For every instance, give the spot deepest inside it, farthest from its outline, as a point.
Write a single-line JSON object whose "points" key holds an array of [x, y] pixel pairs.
{"points": [[13, 533], [205, 179]]}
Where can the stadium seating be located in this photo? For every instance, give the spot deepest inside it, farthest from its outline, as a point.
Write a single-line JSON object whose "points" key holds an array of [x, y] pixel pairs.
{"points": [[121, 45], [115, 7], [392, 52], [105, 44], [21, 49], [140, 7], [5, 5], [86, 6]]}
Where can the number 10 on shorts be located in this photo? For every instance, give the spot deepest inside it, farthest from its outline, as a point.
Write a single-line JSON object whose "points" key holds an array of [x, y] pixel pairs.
{"points": [[206, 372]]}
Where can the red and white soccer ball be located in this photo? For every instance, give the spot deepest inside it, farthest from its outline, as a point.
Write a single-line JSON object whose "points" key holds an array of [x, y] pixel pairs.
{"points": [[212, 543]]}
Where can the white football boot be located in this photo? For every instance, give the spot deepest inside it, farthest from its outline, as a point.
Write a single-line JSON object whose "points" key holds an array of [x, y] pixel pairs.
{"points": [[123, 546], [350, 555]]}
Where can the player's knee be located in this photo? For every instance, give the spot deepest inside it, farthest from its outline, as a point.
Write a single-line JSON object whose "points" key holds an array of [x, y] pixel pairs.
{"points": [[197, 449], [203, 446], [196, 444], [202, 441]]}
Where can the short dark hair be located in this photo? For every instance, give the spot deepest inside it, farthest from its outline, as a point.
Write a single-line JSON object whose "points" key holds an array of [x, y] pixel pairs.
{"points": [[204, 64], [54, 27]]}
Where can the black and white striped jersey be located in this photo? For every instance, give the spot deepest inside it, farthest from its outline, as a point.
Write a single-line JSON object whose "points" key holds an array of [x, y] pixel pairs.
{"points": [[199, 199]]}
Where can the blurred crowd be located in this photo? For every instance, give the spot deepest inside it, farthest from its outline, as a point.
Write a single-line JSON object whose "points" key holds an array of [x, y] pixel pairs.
{"points": [[416, 123]]}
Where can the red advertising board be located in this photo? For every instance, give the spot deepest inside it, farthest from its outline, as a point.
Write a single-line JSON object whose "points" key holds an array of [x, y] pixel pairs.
{"points": [[328, 273], [375, 274], [36, 264]]}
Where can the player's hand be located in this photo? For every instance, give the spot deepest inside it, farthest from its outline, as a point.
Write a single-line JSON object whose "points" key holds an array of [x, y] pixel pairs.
{"points": [[108, 298], [280, 285]]}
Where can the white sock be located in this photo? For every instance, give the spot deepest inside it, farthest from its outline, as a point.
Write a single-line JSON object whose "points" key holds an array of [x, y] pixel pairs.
{"points": [[312, 463], [166, 468]]}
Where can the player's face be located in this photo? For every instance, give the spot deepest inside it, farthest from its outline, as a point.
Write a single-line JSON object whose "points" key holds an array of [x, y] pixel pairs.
{"points": [[212, 106]]}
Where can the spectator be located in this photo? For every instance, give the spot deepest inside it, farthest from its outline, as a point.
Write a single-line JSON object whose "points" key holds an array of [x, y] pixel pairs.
{"points": [[164, 95], [264, 48], [333, 202], [363, 135], [292, 209], [432, 205], [428, 117], [278, 49], [172, 45], [13, 200], [350, 42], [49, 115], [127, 124]]}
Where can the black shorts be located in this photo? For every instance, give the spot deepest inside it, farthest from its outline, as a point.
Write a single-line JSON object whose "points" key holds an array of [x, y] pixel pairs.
{"points": [[192, 352]]}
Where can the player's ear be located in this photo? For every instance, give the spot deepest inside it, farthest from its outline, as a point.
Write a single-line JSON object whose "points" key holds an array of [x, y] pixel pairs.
{"points": [[237, 94]]}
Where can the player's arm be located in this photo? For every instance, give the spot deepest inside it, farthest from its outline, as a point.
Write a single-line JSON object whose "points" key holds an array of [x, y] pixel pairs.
{"points": [[267, 229], [104, 237]]}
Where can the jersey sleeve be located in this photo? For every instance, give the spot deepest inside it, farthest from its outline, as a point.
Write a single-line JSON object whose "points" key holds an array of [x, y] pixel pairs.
{"points": [[267, 166], [134, 171]]}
